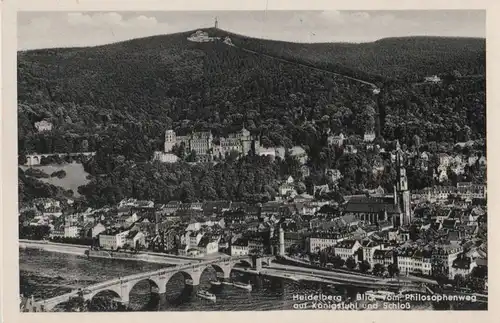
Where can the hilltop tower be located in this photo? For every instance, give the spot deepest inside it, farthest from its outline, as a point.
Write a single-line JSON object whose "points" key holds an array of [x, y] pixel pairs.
{"points": [[402, 192], [216, 23]]}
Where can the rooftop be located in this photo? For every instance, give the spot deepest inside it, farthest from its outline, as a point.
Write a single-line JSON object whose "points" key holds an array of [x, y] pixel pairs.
{"points": [[359, 204]]}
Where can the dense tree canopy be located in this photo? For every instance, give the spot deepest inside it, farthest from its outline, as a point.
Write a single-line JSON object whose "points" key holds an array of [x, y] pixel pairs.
{"points": [[119, 99]]}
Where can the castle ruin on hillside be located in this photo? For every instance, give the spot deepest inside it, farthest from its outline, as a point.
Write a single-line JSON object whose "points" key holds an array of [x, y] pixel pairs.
{"points": [[202, 143]]}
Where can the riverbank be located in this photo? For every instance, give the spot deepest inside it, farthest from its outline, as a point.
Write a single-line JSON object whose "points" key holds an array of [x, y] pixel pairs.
{"points": [[85, 251], [53, 247]]}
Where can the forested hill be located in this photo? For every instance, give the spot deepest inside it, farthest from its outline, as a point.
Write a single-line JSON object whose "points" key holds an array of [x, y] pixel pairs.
{"points": [[406, 59], [120, 98]]}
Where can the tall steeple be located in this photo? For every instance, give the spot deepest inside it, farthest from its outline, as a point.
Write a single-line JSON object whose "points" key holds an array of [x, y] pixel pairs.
{"points": [[402, 192]]}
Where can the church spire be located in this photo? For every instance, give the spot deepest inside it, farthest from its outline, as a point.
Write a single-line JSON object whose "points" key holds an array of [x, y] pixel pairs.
{"points": [[402, 193], [399, 155]]}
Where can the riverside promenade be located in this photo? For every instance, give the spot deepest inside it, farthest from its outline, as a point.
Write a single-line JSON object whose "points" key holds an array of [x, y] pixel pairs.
{"points": [[85, 251]]}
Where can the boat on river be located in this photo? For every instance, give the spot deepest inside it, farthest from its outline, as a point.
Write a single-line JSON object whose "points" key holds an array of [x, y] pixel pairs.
{"points": [[206, 295], [215, 283], [243, 286], [238, 285]]}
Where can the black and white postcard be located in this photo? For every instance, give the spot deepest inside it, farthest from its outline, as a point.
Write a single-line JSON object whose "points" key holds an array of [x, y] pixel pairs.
{"points": [[250, 160]]}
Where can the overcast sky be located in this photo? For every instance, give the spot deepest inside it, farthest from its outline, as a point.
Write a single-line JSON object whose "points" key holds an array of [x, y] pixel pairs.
{"points": [[65, 29]]}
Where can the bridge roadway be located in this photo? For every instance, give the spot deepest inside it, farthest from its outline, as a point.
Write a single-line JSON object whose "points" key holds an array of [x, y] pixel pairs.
{"points": [[122, 286], [354, 279]]}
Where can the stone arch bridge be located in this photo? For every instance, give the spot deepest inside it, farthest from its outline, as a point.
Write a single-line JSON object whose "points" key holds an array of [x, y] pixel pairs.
{"points": [[122, 287], [36, 159]]}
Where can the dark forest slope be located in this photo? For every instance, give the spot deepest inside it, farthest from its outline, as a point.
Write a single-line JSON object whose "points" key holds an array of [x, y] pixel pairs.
{"points": [[119, 99], [128, 93], [151, 83], [399, 58]]}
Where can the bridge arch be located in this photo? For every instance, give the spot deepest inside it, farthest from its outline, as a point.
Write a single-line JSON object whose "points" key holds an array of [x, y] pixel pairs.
{"points": [[245, 262], [153, 282], [138, 291], [222, 271], [94, 297], [190, 277]]}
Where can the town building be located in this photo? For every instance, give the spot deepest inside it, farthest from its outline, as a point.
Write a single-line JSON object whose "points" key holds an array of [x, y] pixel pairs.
{"points": [[294, 239], [208, 244], [201, 36], [267, 151], [135, 239], [239, 247], [463, 266], [72, 231], [372, 209], [369, 136], [368, 248], [318, 241], [432, 79], [43, 125], [164, 157], [256, 245], [422, 262], [336, 140], [383, 257], [113, 238], [443, 256], [126, 220], [347, 248]]}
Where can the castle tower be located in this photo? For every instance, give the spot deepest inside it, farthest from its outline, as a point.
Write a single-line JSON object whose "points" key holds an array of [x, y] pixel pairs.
{"points": [[282, 242], [170, 140], [402, 191], [256, 145]]}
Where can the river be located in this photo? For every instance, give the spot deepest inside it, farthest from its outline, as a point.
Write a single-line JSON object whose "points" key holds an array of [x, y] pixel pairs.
{"points": [[46, 274]]}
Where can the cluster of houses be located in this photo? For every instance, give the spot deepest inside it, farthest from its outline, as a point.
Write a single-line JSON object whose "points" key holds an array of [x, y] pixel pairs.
{"points": [[455, 163], [448, 235], [450, 258], [450, 239], [463, 191]]}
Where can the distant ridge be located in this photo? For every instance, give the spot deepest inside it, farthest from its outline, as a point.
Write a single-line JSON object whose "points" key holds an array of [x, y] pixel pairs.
{"points": [[221, 32]]}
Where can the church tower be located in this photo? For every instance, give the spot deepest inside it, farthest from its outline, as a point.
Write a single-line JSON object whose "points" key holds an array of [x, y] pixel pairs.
{"points": [[402, 192]]}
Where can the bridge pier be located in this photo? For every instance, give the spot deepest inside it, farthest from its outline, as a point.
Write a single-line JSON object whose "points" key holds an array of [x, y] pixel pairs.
{"points": [[162, 286], [193, 291], [125, 293]]}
